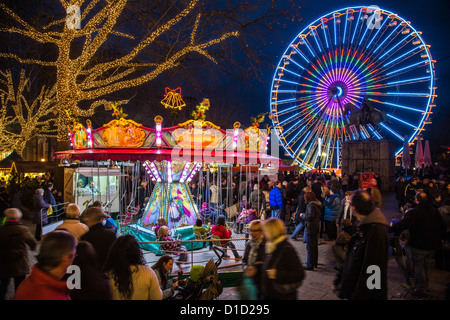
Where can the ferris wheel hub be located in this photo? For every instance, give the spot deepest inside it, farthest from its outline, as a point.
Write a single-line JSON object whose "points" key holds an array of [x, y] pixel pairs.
{"points": [[337, 90]]}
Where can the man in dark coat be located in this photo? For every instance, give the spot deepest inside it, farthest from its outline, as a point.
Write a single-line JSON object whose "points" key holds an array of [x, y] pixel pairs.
{"points": [[364, 273], [15, 238], [427, 231], [255, 254], [100, 237], [40, 207], [50, 199]]}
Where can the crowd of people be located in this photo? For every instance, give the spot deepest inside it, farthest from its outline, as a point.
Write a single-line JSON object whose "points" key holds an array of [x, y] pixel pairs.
{"points": [[303, 207]]}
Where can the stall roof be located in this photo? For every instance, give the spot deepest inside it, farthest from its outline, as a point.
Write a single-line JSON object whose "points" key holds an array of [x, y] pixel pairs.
{"points": [[6, 163], [33, 166]]}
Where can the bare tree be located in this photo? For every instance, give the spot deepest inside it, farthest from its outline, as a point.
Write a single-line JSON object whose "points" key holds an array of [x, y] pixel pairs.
{"points": [[111, 52], [21, 120]]}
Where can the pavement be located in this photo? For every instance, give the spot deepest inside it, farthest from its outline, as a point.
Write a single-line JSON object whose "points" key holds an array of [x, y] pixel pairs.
{"points": [[318, 284]]}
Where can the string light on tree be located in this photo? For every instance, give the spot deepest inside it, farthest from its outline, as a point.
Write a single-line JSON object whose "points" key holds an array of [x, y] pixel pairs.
{"points": [[21, 120], [87, 79]]}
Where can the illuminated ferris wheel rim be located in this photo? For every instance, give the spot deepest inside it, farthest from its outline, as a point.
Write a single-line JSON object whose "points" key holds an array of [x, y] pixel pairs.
{"points": [[339, 89]]}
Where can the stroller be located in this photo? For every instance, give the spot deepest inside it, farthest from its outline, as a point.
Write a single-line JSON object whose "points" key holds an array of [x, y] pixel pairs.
{"points": [[292, 224], [200, 278]]}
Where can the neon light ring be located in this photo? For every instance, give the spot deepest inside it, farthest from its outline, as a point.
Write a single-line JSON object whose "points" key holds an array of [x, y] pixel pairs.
{"points": [[343, 58]]}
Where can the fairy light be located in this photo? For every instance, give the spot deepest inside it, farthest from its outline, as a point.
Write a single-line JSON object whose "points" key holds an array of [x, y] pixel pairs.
{"points": [[29, 119], [153, 170], [70, 139], [82, 78], [236, 126], [194, 171], [149, 171], [158, 121], [89, 134], [169, 171], [185, 172]]}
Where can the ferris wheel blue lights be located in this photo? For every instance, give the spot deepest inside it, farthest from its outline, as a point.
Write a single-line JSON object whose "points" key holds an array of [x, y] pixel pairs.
{"points": [[342, 59]]}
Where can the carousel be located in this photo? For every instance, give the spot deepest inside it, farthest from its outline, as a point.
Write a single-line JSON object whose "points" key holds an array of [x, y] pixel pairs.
{"points": [[106, 164]]}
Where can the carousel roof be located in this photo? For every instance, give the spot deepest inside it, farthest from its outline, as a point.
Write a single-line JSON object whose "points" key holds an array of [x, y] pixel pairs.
{"points": [[129, 154], [193, 140]]}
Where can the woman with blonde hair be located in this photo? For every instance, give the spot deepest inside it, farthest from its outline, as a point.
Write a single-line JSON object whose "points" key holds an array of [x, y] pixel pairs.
{"points": [[172, 246], [325, 192], [283, 270]]}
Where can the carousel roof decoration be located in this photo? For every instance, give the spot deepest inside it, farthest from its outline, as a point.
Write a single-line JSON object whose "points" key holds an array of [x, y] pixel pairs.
{"points": [[193, 140], [172, 99]]}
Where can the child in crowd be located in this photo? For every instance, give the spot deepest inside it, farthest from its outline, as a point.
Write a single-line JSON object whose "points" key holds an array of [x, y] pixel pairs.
{"points": [[202, 232], [159, 223]]}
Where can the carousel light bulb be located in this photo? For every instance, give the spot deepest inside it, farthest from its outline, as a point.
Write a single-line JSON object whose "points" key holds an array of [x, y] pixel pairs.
{"points": [[169, 171]]}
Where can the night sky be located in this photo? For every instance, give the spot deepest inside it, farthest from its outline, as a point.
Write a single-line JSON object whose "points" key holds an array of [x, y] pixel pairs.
{"points": [[239, 100], [431, 17]]}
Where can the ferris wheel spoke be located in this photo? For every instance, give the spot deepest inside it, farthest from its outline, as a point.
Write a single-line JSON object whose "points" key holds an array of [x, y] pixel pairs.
{"points": [[377, 47], [400, 44], [401, 121], [305, 41], [382, 82], [402, 83], [403, 56], [288, 120], [299, 149], [367, 47], [296, 135], [335, 18], [314, 34], [408, 68], [394, 133], [374, 132], [356, 27], [294, 62], [295, 50], [300, 114], [397, 105], [304, 132], [324, 28]]}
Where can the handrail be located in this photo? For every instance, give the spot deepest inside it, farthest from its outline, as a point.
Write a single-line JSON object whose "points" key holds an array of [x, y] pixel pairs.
{"points": [[192, 251]]}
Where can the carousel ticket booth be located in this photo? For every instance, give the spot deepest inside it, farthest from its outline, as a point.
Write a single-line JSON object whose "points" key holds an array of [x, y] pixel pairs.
{"points": [[95, 184]]}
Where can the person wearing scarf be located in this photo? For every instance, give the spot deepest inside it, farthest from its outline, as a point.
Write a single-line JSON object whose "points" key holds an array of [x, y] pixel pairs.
{"points": [[283, 270], [255, 254]]}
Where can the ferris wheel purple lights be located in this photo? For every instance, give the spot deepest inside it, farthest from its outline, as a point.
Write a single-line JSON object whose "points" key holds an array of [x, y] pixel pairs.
{"points": [[347, 59]]}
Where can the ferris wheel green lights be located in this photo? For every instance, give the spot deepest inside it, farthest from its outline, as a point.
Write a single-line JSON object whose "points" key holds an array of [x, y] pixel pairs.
{"points": [[341, 59]]}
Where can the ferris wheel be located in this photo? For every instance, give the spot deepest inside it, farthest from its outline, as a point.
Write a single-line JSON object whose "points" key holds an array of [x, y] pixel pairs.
{"points": [[343, 70]]}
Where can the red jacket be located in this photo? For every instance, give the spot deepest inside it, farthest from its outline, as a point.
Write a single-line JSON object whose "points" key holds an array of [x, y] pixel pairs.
{"points": [[42, 286], [222, 232]]}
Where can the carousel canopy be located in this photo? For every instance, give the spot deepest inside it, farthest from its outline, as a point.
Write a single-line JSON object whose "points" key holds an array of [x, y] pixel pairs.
{"points": [[194, 140]]}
